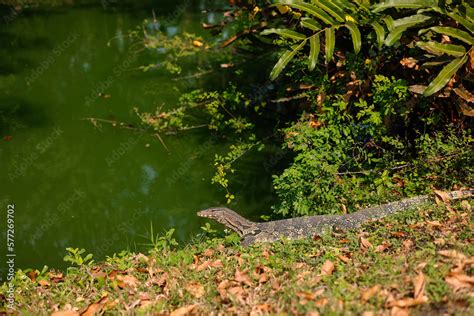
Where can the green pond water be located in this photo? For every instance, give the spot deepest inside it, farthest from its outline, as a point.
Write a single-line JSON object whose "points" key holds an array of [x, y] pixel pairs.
{"points": [[100, 188]]}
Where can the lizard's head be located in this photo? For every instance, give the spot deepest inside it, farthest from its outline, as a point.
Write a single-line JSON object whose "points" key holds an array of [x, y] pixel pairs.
{"points": [[215, 213], [228, 218]]}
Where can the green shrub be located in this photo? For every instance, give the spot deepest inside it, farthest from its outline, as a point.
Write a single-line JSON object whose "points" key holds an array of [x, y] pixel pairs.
{"points": [[349, 155]]}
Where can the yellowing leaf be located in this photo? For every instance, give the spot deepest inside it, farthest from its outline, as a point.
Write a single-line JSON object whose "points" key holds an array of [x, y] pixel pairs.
{"points": [[197, 43]]}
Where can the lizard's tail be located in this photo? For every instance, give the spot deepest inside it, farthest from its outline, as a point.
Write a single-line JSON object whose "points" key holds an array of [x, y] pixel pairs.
{"points": [[380, 211]]}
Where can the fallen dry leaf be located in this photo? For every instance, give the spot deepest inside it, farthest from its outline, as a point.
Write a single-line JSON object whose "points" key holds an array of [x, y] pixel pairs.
{"points": [[370, 292], [397, 311], [464, 93], [466, 109], [113, 274], [56, 277], [276, 285], [127, 281], [421, 266], [407, 302], [95, 308], [206, 264], [452, 254], [460, 281], [364, 243], [310, 296], [344, 258], [158, 281], [327, 268], [195, 289], [217, 264], [384, 246], [417, 88], [43, 283], [266, 254], [262, 308], [32, 275], [65, 313], [242, 277], [208, 252], [398, 234], [322, 302], [185, 310], [222, 288], [407, 244], [263, 278], [408, 62], [419, 283]]}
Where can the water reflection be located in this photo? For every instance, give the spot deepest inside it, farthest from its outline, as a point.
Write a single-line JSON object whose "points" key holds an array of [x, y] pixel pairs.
{"points": [[99, 187]]}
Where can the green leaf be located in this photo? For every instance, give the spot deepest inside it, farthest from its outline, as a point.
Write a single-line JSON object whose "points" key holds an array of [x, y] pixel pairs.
{"points": [[309, 8], [454, 32], [394, 35], [389, 22], [331, 8], [444, 76], [434, 63], [410, 21], [440, 49], [469, 11], [403, 4], [380, 32], [311, 24], [284, 60], [314, 51], [330, 43], [347, 5], [284, 33], [355, 34], [468, 25]]}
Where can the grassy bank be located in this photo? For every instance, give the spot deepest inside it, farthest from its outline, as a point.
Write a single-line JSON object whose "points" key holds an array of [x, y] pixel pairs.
{"points": [[420, 262]]}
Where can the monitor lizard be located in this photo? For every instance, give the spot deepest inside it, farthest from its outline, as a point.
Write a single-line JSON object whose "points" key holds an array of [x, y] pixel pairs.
{"points": [[308, 226]]}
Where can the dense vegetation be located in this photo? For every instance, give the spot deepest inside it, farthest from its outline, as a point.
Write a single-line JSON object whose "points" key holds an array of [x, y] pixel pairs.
{"points": [[371, 101]]}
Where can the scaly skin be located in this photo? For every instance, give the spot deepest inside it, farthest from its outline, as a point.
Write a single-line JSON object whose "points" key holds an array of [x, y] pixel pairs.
{"points": [[308, 226]]}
